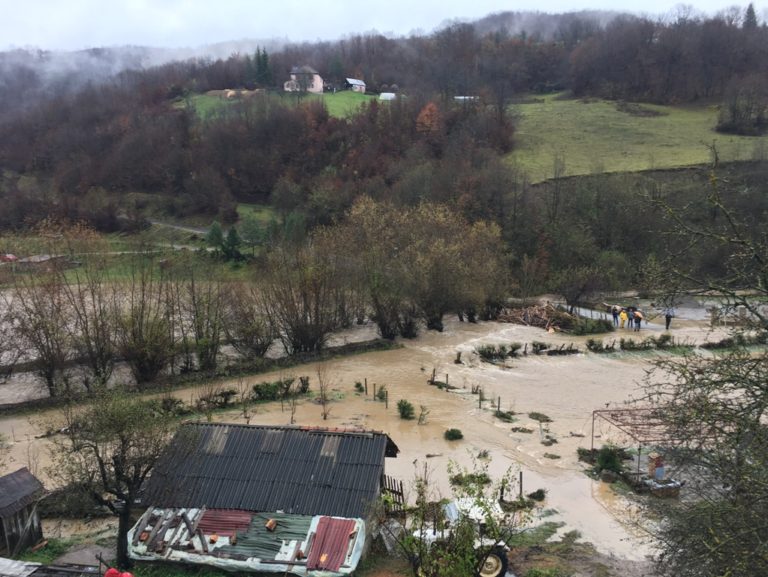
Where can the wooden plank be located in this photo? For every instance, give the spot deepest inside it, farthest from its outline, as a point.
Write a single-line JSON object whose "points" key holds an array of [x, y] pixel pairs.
{"points": [[157, 528], [188, 523], [203, 541], [141, 524]]}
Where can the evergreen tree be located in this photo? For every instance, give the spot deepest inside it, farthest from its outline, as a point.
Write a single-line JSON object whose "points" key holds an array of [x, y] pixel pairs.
{"points": [[750, 18], [231, 246], [215, 236], [263, 71], [251, 232]]}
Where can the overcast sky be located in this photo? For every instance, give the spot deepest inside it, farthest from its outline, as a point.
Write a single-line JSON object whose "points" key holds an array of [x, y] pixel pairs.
{"points": [[75, 24]]}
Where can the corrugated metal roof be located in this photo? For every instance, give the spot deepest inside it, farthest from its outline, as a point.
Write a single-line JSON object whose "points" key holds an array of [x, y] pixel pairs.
{"points": [[256, 468], [355, 82], [11, 568], [17, 490], [331, 543], [269, 542], [224, 522]]}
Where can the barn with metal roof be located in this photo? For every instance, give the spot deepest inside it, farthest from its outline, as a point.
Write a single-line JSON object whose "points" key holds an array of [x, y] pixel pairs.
{"points": [[296, 470]]}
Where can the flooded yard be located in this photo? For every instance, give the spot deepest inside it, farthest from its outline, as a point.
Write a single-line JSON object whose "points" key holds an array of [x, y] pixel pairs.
{"points": [[566, 389]]}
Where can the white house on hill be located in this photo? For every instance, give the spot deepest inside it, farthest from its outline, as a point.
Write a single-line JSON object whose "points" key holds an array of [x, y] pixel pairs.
{"points": [[304, 79]]}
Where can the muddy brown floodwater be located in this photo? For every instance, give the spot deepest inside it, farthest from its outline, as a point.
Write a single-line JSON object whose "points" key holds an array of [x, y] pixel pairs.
{"points": [[567, 389]]}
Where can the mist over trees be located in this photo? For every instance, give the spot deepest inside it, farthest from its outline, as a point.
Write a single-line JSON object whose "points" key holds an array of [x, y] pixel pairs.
{"points": [[113, 151]]}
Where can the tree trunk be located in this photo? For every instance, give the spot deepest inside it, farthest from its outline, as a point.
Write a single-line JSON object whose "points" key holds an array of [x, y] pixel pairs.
{"points": [[123, 526]]}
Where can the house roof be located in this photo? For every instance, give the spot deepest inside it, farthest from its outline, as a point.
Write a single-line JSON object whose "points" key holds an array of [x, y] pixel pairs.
{"points": [[303, 70], [355, 82], [262, 542], [301, 471], [17, 490]]}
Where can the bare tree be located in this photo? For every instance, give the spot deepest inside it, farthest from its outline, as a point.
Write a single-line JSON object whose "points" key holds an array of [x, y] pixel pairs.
{"points": [[110, 446], [41, 317], [324, 385], [299, 297], [10, 351], [145, 332], [205, 303], [91, 299], [246, 325]]}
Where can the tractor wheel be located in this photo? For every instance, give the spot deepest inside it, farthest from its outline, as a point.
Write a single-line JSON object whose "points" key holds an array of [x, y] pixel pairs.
{"points": [[495, 564]]}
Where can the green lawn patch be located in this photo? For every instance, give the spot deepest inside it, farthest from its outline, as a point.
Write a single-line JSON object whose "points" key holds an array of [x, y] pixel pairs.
{"points": [[341, 105], [263, 213], [595, 136], [344, 103]]}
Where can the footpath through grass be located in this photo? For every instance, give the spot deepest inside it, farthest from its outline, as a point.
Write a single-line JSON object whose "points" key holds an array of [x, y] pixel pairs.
{"points": [[594, 136]]}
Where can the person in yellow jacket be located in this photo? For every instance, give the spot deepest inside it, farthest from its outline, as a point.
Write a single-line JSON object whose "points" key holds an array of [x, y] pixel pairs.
{"points": [[622, 318]]}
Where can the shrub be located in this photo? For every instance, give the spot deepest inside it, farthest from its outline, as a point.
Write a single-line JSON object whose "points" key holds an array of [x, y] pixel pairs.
{"points": [[406, 410], [521, 430], [548, 441], [586, 455], [538, 495], [609, 459], [359, 387], [514, 348], [632, 345], [462, 479], [266, 391], [540, 417], [453, 435], [664, 341], [506, 416], [571, 349], [538, 347], [492, 353], [551, 456], [586, 326], [381, 393]]}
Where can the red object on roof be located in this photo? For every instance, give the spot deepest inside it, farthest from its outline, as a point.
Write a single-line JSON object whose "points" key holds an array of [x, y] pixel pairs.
{"points": [[329, 549], [224, 521], [112, 572]]}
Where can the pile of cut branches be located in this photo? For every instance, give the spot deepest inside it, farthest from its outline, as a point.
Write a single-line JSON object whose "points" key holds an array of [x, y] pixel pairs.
{"points": [[540, 316]]}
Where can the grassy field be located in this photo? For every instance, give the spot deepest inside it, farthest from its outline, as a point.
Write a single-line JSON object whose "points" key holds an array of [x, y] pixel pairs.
{"points": [[344, 103], [340, 105], [595, 136], [262, 212]]}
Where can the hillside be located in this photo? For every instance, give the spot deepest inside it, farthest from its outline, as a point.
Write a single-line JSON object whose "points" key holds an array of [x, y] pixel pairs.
{"points": [[593, 136]]}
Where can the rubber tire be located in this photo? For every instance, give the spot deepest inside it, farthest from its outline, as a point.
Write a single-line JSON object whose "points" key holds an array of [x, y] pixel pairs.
{"points": [[495, 564]]}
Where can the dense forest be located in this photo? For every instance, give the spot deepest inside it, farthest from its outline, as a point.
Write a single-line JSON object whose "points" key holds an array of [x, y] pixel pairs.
{"points": [[81, 151]]}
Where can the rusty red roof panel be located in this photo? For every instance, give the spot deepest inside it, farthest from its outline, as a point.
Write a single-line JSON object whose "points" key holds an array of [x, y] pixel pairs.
{"points": [[329, 548], [225, 521]]}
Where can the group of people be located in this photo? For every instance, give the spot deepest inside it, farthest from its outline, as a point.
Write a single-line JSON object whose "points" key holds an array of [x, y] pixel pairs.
{"points": [[633, 317], [630, 316]]}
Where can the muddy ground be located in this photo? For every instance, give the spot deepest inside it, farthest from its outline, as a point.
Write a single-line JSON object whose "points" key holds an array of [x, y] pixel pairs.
{"points": [[566, 389]]}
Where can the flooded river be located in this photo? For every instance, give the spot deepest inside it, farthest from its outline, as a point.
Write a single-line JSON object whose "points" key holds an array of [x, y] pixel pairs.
{"points": [[567, 389]]}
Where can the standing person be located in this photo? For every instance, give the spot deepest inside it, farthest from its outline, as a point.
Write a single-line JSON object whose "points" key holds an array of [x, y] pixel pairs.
{"points": [[669, 313], [623, 318], [615, 312], [638, 319]]}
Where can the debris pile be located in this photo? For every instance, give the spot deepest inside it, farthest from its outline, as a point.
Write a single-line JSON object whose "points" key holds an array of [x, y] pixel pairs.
{"points": [[541, 316]]}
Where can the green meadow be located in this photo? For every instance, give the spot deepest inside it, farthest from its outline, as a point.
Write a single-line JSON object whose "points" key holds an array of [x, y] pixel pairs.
{"points": [[261, 212], [342, 104], [594, 136]]}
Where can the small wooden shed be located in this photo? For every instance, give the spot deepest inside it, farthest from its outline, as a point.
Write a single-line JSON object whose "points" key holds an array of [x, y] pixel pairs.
{"points": [[19, 520]]}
